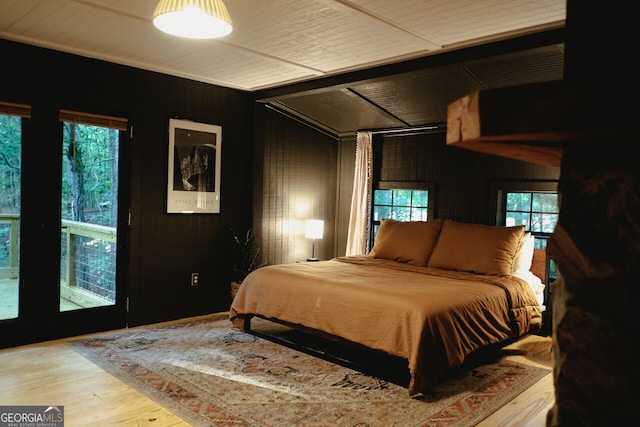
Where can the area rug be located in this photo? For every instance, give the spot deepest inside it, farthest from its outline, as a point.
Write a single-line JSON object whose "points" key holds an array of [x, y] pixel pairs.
{"points": [[211, 374]]}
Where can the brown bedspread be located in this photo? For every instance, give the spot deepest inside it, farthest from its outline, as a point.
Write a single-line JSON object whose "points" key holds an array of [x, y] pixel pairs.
{"points": [[434, 318]]}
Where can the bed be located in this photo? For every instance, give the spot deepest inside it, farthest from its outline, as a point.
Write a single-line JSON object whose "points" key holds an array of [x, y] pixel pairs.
{"points": [[431, 292]]}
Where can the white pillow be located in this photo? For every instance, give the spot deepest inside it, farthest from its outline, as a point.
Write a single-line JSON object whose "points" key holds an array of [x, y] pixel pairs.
{"points": [[524, 257], [534, 281]]}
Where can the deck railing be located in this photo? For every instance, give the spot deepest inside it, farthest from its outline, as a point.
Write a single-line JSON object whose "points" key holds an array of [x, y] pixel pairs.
{"points": [[9, 246], [87, 263]]}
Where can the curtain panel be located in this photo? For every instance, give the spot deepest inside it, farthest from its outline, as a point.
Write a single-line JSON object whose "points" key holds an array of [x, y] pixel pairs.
{"points": [[359, 217]]}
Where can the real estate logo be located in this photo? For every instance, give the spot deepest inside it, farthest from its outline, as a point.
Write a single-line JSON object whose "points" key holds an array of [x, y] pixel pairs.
{"points": [[31, 416]]}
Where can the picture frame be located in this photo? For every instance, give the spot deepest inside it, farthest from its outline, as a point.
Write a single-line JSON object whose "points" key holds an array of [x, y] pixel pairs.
{"points": [[195, 156]]}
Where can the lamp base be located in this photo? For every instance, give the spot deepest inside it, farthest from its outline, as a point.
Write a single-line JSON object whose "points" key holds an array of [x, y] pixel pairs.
{"points": [[313, 259]]}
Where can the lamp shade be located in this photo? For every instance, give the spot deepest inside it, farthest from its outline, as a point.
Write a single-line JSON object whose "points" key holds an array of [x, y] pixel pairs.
{"points": [[195, 19], [314, 229]]}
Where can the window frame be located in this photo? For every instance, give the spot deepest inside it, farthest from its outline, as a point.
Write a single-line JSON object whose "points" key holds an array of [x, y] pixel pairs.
{"points": [[428, 186], [499, 192]]}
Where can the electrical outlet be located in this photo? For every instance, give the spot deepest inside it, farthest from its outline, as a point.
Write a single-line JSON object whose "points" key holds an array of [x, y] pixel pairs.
{"points": [[195, 279]]}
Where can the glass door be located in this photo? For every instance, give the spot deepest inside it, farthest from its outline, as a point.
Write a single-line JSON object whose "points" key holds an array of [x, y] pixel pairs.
{"points": [[72, 279], [11, 117], [89, 211]]}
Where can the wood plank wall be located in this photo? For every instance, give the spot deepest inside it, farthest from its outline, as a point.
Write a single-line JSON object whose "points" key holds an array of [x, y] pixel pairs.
{"points": [[299, 162], [463, 178], [296, 179]]}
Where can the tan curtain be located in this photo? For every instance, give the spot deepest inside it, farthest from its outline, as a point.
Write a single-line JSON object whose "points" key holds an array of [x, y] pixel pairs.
{"points": [[358, 235]]}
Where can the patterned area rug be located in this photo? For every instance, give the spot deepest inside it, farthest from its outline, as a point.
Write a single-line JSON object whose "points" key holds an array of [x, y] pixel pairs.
{"points": [[211, 374]]}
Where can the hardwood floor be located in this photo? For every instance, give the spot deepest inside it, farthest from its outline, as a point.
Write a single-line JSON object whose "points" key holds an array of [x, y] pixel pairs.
{"points": [[530, 408], [51, 373]]}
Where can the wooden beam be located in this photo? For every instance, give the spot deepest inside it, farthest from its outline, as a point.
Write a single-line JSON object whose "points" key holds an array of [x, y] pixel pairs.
{"points": [[530, 122]]}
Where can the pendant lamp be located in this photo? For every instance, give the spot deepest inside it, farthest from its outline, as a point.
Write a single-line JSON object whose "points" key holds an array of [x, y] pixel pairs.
{"points": [[194, 19]]}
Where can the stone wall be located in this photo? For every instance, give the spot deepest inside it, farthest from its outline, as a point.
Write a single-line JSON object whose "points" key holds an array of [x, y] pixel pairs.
{"points": [[596, 247]]}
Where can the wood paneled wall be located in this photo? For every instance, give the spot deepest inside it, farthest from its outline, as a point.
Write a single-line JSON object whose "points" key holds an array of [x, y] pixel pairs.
{"points": [[463, 178], [295, 180], [300, 164]]}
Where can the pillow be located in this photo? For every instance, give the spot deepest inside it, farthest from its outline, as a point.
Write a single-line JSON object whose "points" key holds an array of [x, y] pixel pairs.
{"points": [[524, 257], [534, 281], [476, 248], [539, 263], [411, 242]]}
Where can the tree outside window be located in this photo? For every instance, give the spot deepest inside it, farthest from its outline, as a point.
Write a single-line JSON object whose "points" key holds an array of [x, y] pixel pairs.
{"points": [[401, 201]]}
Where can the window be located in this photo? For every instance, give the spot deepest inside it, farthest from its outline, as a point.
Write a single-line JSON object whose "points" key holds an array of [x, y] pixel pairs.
{"points": [[538, 212], [532, 204], [402, 201]]}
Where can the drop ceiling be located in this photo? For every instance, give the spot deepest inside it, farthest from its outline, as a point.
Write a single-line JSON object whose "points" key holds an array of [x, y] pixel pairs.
{"points": [[339, 65]]}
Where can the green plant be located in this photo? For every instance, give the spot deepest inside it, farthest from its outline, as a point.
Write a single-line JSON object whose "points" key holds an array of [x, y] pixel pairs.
{"points": [[246, 256]]}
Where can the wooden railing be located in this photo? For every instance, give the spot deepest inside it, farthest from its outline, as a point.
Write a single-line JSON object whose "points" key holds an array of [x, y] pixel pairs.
{"points": [[10, 264], [88, 263], [82, 280]]}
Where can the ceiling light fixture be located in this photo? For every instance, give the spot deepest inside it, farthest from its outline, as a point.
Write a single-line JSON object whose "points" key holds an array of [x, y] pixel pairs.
{"points": [[194, 19]]}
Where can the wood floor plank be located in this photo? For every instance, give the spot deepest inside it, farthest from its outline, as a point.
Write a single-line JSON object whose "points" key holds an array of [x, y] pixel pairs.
{"points": [[53, 374], [530, 408], [527, 410]]}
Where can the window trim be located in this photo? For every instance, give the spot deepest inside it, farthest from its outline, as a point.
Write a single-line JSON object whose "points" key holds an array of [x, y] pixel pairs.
{"points": [[12, 109], [90, 119], [429, 186], [498, 193], [498, 189]]}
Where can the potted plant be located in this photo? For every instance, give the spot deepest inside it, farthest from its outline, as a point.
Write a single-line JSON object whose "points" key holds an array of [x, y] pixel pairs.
{"points": [[246, 256]]}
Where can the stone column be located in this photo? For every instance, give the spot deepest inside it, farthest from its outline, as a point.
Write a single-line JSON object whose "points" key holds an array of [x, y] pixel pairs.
{"points": [[596, 304]]}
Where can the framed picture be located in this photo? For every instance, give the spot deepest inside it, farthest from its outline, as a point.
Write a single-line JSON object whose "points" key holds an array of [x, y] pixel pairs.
{"points": [[195, 155]]}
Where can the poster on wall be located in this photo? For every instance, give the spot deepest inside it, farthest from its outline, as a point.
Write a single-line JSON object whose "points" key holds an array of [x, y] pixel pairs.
{"points": [[194, 167]]}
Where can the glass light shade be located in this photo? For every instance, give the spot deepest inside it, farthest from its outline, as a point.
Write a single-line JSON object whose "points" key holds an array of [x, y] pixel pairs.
{"points": [[314, 229], [195, 19]]}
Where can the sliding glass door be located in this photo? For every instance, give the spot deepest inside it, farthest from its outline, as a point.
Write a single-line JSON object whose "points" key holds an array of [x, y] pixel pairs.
{"points": [[89, 211], [11, 117], [63, 241]]}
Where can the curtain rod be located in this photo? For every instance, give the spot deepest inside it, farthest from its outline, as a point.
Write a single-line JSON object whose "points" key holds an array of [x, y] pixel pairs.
{"points": [[417, 129]]}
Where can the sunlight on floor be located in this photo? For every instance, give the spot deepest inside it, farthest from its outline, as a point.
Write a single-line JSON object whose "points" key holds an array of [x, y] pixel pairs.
{"points": [[231, 376]]}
